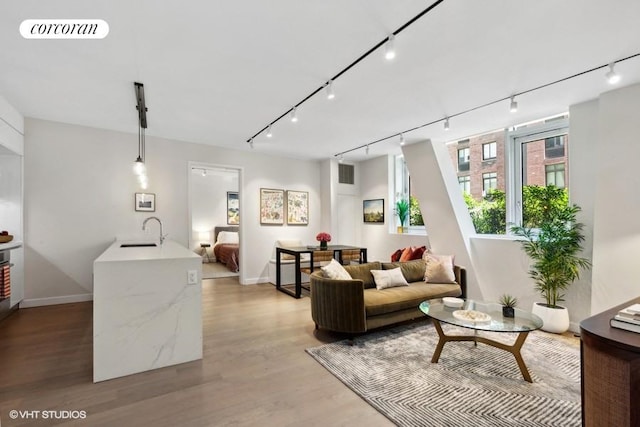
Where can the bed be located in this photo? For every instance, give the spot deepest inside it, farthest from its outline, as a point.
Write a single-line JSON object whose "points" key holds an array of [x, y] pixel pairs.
{"points": [[226, 248]]}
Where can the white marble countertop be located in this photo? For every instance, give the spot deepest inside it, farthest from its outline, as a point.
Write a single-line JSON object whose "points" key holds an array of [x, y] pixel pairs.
{"points": [[14, 244], [168, 250]]}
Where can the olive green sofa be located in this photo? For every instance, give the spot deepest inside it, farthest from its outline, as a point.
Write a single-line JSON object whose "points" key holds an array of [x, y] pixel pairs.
{"points": [[356, 306]]}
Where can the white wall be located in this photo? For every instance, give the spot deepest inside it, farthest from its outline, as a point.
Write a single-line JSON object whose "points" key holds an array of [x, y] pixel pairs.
{"points": [[79, 192], [617, 206]]}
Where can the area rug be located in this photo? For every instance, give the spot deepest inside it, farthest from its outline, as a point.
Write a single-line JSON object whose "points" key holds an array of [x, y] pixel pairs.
{"points": [[469, 386]]}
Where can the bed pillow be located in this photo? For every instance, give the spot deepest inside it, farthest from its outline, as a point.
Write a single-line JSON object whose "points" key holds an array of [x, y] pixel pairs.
{"points": [[388, 278], [228, 237], [335, 270], [439, 268]]}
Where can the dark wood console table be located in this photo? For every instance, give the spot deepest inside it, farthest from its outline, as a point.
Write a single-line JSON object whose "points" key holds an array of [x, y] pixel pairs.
{"points": [[610, 370], [297, 252]]}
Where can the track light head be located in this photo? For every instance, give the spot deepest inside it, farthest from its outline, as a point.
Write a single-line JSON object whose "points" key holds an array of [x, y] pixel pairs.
{"points": [[401, 139], [611, 76], [366, 150], [446, 123], [341, 158], [269, 133], [390, 48], [294, 115], [330, 94], [251, 143], [514, 105]]}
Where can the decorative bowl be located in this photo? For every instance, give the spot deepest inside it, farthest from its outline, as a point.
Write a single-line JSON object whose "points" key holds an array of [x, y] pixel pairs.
{"points": [[452, 302], [471, 316], [6, 239]]}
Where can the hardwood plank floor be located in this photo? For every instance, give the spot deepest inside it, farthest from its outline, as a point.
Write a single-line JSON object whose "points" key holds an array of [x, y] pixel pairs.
{"points": [[254, 371]]}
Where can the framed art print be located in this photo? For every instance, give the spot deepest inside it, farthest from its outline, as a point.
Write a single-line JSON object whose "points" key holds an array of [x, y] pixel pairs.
{"points": [[297, 207], [233, 208], [271, 206], [373, 210], [145, 202]]}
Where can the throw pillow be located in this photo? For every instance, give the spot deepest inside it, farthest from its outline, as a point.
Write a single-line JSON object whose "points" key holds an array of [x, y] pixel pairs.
{"points": [[335, 270], [439, 269], [418, 253], [406, 254], [396, 255], [388, 278]]}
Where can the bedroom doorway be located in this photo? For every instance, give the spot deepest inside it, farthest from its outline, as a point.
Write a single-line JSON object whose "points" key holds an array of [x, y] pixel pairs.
{"points": [[214, 216]]}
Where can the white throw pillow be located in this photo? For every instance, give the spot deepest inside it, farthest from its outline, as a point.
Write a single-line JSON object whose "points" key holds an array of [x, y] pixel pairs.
{"points": [[439, 269], [228, 237], [388, 278], [335, 270]]}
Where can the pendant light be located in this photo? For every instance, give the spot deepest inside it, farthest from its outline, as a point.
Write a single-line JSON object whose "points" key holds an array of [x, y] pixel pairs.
{"points": [[139, 166]]}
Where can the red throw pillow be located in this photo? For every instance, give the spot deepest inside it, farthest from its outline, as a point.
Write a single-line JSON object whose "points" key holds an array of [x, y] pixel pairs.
{"points": [[396, 255], [417, 254], [406, 254]]}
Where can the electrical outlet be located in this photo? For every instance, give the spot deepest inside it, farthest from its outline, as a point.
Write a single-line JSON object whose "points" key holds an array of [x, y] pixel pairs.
{"points": [[192, 277]]}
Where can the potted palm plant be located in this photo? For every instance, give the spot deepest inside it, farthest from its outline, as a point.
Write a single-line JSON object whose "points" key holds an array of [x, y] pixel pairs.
{"points": [[508, 303], [554, 249], [402, 210]]}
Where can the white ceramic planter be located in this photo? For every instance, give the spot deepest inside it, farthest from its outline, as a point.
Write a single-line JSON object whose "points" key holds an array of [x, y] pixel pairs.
{"points": [[555, 320]]}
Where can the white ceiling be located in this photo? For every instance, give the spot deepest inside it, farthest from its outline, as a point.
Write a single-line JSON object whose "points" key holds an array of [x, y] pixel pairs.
{"points": [[216, 72]]}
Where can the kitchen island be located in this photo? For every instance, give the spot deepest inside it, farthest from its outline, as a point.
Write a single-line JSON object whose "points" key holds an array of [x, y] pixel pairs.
{"points": [[147, 308]]}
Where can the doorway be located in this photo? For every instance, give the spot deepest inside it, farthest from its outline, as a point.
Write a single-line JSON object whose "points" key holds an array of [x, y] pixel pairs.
{"points": [[214, 203]]}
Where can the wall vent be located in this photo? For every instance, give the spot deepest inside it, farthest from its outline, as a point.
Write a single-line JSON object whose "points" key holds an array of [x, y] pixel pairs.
{"points": [[345, 174]]}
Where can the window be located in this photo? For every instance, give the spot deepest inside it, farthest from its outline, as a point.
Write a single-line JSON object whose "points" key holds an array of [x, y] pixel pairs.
{"points": [[489, 181], [465, 183], [555, 174], [463, 159], [533, 180], [554, 147], [489, 151], [403, 190]]}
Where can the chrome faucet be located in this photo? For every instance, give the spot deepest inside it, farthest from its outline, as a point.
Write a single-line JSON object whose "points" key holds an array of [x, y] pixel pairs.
{"points": [[144, 225]]}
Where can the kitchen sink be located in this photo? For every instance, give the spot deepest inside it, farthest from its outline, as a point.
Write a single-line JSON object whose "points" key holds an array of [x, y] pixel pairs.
{"points": [[137, 245]]}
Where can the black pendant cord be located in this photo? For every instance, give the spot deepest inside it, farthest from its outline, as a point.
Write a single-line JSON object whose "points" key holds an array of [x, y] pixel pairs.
{"points": [[469, 110], [348, 67]]}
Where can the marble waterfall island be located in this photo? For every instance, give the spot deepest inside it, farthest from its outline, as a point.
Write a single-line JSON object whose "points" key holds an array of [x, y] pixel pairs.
{"points": [[147, 308]]}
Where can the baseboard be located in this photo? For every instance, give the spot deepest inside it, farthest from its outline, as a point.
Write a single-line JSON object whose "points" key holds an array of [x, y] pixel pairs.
{"points": [[67, 299], [255, 280]]}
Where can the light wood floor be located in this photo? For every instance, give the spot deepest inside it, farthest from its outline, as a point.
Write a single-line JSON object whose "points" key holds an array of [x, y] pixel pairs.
{"points": [[254, 372]]}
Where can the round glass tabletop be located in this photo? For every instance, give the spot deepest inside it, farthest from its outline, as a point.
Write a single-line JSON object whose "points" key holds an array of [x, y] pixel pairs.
{"points": [[484, 316]]}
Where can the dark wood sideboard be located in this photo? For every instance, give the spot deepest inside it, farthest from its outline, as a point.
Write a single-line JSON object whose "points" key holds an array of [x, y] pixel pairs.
{"points": [[610, 370]]}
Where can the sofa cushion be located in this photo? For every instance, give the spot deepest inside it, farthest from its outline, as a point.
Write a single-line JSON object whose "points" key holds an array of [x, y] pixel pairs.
{"points": [[363, 272], [439, 269], [379, 302], [388, 278], [335, 270], [413, 271]]}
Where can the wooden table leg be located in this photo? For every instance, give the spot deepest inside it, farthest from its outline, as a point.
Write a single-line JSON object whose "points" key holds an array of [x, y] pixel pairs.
{"points": [[513, 349]]}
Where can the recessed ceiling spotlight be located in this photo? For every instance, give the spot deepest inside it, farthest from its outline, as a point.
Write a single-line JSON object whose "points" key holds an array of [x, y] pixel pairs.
{"points": [[390, 49], [612, 76], [446, 123], [294, 115], [514, 105], [330, 94], [269, 134]]}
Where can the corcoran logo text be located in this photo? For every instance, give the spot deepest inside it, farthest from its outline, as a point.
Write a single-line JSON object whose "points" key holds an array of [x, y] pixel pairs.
{"points": [[64, 29]]}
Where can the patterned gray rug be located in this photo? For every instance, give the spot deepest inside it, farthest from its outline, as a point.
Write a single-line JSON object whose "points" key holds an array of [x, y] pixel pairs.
{"points": [[469, 386]]}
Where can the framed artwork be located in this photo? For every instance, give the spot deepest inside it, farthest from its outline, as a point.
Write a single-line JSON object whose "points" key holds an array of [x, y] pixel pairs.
{"points": [[271, 206], [297, 207], [373, 210], [233, 208], [145, 202]]}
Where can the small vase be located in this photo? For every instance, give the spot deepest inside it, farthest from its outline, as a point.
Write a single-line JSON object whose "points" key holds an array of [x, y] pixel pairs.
{"points": [[323, 245], [508, 311]]}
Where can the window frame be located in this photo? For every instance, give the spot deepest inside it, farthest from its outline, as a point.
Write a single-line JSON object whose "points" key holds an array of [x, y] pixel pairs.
{"points": [[513, 159], [495, 150], [401, 186]]}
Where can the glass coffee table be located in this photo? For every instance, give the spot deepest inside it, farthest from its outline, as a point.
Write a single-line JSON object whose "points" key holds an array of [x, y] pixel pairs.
{"points": [[482, 316]]}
